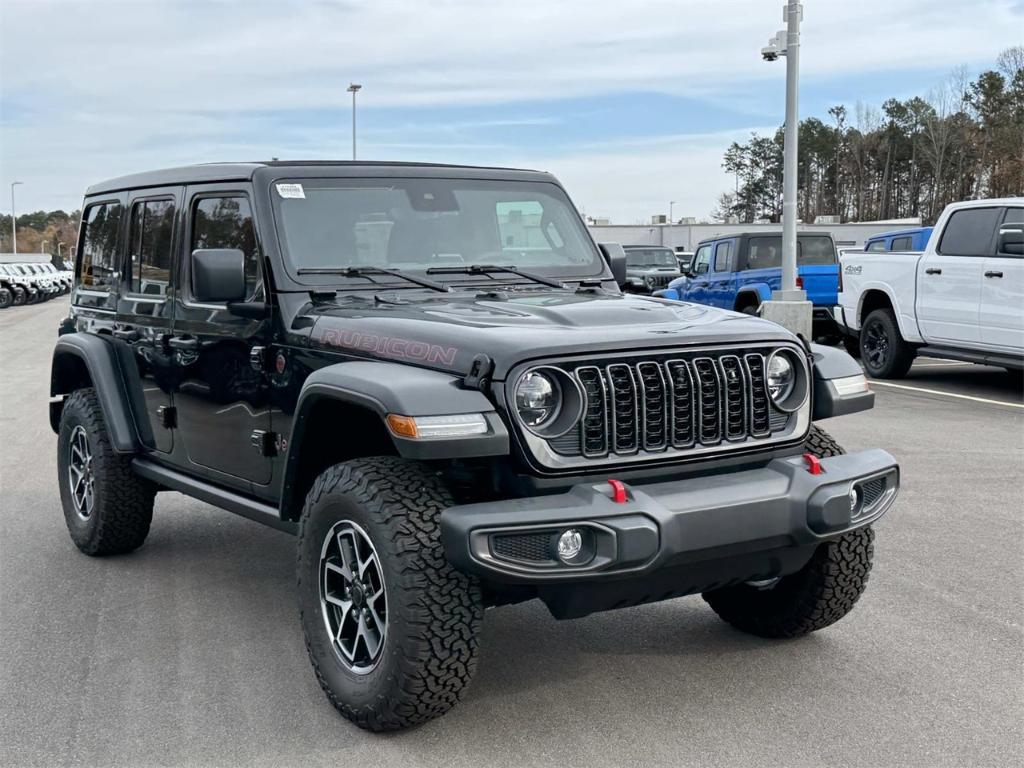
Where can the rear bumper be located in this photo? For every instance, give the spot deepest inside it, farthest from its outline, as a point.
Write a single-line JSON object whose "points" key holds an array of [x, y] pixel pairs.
{"points": [[754, 524]]}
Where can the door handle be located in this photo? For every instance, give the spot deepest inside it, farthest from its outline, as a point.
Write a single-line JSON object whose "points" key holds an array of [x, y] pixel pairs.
{"points": [[933, 271], [993, 274], [126, 334], [183, 344]]}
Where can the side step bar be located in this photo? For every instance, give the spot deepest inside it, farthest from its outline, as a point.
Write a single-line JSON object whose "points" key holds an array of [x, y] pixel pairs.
{"points": [[249, 508], [1001, 359]]}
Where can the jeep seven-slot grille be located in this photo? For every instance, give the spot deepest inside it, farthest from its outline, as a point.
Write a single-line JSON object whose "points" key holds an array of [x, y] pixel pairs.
{"points": [[653, 405]]}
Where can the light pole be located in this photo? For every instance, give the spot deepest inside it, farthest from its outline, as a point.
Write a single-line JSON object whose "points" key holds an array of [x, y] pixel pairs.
{"points": [[671, 205], [59, 256], [354, 88], [42, 246], [14, 219], [789, 306]]}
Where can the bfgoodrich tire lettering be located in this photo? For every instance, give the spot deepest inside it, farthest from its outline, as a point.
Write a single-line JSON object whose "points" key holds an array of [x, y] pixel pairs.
{"points": [[819, 594], [434, 612], [116, 516]]}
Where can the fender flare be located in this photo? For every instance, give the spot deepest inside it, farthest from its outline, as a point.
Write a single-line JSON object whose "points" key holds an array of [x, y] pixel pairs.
{"points": [[115, 378], [385, 387], [830, 363], [761, 290], [910, 334]]}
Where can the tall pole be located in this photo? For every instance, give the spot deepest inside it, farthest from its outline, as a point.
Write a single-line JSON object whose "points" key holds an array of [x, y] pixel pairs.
{"points": [[789, 167], [14, 219], [353, 88], [671, 205], [42, 246]]}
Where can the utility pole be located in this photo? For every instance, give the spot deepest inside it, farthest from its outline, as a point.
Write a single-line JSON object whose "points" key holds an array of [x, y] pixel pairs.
{"points": [[789, 306], [671, 205], [14, 219], [353, 88]]}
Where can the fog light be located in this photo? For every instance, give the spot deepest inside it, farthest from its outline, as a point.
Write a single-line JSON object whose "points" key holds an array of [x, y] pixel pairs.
{"points": [[854, 502], [569, 545]]}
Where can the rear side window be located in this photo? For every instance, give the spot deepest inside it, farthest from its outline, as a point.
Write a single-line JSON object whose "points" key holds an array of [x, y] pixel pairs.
{"points": [[1011, 233], [149, 246], [722, 251], [969, 232], [99, 246], [766, 252], [902, 244], [876, 245], [226, 222]]}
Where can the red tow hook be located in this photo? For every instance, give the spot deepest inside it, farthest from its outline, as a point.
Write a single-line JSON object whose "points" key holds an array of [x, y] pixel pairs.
{"points": [[618, 491], [813, 464]]}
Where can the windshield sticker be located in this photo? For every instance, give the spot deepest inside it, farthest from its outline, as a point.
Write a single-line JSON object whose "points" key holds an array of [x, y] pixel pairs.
{"points": [[291, 191]]}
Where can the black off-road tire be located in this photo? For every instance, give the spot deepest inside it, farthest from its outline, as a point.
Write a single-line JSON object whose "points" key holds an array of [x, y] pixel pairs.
{"points": [[19, 297], [6, 298], [816, 596], [881, 325], [123, 502], [434, 612], [750, 309]]}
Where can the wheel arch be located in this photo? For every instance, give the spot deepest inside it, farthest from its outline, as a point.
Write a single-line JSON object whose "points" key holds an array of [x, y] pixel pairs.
{"points": [[355, 398], [751, 295]]}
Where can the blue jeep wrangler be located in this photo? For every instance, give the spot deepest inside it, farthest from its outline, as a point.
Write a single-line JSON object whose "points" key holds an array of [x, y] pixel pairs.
{"points": [[739, 272]]}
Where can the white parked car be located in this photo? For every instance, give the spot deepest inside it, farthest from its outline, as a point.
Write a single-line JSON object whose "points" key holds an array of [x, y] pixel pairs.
{"points": [[962, 298]]}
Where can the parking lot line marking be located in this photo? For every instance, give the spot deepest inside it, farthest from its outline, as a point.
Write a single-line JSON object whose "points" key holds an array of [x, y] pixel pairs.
{"points": [[875, 382]]}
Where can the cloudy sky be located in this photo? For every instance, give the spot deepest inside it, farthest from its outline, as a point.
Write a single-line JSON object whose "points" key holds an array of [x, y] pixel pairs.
{"points": [[631, 104]]}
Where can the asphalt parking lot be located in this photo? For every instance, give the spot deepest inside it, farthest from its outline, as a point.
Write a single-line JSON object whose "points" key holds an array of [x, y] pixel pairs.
{"points": [[189, 651]]}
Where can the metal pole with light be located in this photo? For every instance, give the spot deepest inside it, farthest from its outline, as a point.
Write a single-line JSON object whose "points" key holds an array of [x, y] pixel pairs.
{"points": [[59, 257], [354, 88], [671, 205], [789, 306], [14, 219], [42, 246]]}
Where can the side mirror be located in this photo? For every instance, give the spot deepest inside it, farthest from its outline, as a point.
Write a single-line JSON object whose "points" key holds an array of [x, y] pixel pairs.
{"points": [[616, 257], [218, 275], [1011, 241]]}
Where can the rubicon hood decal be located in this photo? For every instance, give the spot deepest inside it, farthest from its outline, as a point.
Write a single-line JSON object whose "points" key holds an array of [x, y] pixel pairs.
{"points": [[389, 346]]}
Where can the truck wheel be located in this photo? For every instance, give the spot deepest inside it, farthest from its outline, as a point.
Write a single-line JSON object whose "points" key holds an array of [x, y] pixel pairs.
{"points": [[390, 626], [882, 349], [19, 297], [107, 507], [816, 596], [6, 298], [749, 309]]}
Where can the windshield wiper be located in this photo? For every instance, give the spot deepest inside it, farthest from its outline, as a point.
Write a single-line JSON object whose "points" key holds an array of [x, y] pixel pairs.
{"points": [[368, 271], [484, 269]]}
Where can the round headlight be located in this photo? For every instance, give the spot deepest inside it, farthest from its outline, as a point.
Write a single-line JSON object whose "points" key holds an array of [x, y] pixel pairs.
{"points": [[781, 377], [538, 398]]}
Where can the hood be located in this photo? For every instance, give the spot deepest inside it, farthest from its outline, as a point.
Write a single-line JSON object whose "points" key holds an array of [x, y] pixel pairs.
{"points": [[447, 331]]}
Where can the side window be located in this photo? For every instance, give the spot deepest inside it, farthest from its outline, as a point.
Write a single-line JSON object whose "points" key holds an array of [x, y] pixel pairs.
{"points": [[876, 245], [703, 260], [98, 264], [1011, 233], [722, 251], [902, 244], [149, 246], [226, 222], [969, 232]]}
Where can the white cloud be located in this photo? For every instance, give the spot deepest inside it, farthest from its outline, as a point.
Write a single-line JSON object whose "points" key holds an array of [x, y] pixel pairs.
{"points": [[91, 89]]}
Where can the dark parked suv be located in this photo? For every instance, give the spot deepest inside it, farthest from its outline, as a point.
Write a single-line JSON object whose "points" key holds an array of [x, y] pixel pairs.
{"points": [[430, 375], [649, 268]]}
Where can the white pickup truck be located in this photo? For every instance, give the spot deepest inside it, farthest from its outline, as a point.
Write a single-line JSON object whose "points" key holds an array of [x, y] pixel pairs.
{"points": [[962, 298]]}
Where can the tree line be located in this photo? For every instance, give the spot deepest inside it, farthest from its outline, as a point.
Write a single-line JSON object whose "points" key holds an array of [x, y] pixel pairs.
{"points": [[964, 139], [41, 232]]}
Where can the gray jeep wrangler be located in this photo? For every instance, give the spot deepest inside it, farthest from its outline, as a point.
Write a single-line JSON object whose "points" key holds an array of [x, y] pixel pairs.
{"points": [[430, 376]]}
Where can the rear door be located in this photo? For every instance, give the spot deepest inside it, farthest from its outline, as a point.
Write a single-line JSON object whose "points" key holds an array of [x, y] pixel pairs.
{"points": [[697, 287], [1002, 287], [949, 279], [222, 398]]}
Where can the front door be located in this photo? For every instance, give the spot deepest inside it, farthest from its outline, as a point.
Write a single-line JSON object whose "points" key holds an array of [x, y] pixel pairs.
{"points": [[721, 290], [1002, 288], [949, 279], [697, 286], [222, 398], [145, 305]]}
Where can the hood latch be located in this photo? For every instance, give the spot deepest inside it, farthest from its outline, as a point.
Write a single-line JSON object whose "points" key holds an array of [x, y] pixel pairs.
{"points": [[479, 373]]}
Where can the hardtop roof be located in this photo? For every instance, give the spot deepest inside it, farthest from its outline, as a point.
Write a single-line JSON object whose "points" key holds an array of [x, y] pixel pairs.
{"points": [[215, 172]]}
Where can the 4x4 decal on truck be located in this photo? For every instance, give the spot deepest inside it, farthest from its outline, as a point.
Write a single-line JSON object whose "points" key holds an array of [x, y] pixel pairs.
{"points": [[389, 346]]}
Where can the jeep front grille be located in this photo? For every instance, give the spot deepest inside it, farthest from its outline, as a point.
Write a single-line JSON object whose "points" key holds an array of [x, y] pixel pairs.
{"points": [[673, 403]]}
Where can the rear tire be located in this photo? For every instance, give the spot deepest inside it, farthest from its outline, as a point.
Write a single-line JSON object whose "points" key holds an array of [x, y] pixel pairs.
{"points": [[749, 309], [882, 349], [816, 596], [19, 297], [107, 507], [6, 298], [418, 652]]}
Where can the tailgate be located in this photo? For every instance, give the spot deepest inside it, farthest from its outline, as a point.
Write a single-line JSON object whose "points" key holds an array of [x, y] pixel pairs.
{"points": [[821, 282]]}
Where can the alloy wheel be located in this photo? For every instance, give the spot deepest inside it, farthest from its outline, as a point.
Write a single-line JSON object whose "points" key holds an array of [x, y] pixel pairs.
{"points": [[876, 345], [80, 473], [353, 598]]}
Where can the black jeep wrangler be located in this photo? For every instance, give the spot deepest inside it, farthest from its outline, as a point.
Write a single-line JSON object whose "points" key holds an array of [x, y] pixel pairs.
{"points": [[429, 374]]}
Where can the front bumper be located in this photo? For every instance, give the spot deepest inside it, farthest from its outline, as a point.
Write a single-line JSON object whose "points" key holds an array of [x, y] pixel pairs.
{"points": [[753, 524]]}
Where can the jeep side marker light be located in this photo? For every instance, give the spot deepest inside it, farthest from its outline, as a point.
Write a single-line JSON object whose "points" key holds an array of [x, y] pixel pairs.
{"points": [[426, 427]]}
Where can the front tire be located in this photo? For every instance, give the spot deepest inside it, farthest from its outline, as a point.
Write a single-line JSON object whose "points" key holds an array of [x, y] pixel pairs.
{"points": [[6, 298], [390, 626], [816, 596], [107, 507], [883, 350]]}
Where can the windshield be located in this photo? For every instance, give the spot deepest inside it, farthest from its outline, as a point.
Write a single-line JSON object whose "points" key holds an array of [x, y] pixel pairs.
{"points": [[416, 224], [651, 257], [766, 252]]}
